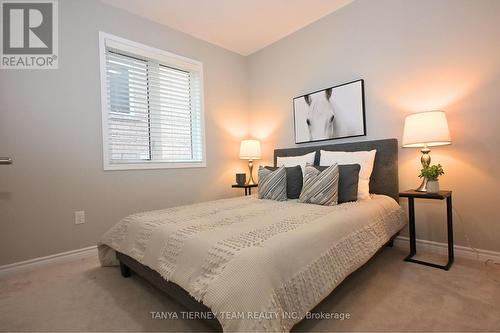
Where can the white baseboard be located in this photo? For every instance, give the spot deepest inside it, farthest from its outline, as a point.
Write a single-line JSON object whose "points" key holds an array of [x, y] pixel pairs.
{"points": [[48, 260], [442, 248], [400, 241]]}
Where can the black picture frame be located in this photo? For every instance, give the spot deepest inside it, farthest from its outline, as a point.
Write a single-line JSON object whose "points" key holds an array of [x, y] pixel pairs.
{"points": [[363, 112]]}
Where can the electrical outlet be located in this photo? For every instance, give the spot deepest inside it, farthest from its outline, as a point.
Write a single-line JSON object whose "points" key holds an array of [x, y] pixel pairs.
{"points": [[80, 217]]}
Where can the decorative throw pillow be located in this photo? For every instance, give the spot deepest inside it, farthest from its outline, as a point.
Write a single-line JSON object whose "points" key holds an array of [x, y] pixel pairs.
{"points": [[320, 187], [294, 181], [301, 160], [364, 158], [272, 184], [348, 181]]}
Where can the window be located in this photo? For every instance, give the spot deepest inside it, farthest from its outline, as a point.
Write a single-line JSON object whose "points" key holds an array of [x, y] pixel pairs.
{"points": [[152, 107]]}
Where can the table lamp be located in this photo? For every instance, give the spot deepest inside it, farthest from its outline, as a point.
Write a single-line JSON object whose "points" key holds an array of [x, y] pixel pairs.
{"points": [[424, 130], [250, 150]]}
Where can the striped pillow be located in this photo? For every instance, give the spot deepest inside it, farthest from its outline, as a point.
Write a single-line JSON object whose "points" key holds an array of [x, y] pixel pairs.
{"points": [[320, 187], [272, 184]]}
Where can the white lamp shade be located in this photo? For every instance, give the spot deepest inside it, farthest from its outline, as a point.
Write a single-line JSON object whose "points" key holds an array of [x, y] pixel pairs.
{"points": [[426, 128], [250, 150]]}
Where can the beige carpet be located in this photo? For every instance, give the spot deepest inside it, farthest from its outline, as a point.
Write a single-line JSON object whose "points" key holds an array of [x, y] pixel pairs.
{"points": [[385, 295]]}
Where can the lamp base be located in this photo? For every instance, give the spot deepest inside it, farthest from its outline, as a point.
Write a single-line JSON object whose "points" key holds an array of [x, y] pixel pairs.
{"points": [[250, 167], [423, 186], [425, 159]]}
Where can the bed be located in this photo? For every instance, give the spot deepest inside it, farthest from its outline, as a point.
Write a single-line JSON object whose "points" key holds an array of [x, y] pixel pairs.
{"points": [[259, 265]]}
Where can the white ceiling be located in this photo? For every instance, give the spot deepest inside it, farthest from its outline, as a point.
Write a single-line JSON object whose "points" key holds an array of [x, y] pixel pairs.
{"points": [[242, 26]]}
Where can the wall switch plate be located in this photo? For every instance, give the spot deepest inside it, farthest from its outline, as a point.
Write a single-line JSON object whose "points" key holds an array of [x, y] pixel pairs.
{"points": [[80, 217]]}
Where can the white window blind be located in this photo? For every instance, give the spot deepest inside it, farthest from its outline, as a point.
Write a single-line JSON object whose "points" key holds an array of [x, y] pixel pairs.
{"points": [[152, 107]]}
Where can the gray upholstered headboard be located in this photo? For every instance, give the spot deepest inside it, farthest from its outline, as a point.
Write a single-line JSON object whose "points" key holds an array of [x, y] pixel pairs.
{"points": [[384, 179]]}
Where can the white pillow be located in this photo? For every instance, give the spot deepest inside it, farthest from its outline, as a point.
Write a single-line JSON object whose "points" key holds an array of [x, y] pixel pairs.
{"points": [[364, 158], [302, 160]]}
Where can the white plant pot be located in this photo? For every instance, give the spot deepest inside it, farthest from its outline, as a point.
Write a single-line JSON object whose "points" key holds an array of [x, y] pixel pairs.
{"points": [[433, 186]]}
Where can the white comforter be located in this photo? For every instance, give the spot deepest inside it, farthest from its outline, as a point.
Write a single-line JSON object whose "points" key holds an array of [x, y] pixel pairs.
{"points": [[247, 258]]}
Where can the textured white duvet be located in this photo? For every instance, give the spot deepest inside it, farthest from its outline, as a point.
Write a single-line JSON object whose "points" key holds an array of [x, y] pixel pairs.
{"points": [[244, 257]]}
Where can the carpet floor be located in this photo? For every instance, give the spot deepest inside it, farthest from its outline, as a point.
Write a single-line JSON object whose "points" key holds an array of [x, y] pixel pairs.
{"points": [[387, 294]]}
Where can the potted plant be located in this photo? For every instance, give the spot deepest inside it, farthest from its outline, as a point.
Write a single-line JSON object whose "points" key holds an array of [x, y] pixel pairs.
{"points": [[432, 173]]}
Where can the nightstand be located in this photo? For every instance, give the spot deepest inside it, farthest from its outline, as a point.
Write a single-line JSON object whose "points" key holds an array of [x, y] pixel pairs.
{"points": [[248, 188], [442, 195]]}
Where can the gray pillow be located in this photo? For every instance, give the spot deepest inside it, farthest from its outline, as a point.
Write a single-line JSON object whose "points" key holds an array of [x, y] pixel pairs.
{"points": [[348, 181], [320, 187], [294, 180], [272, 184]]}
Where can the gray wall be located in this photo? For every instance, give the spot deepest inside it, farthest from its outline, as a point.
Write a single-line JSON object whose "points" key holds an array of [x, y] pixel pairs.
{"points": [[50, 123], [414, 56]]}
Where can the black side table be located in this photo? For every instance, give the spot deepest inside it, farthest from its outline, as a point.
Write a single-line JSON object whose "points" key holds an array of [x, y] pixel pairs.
{"points": [[411, 195], [247, 187]]}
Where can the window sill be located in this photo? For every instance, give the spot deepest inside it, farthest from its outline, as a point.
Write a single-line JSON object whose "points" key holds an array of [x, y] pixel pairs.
{"points": [[153, 165]]}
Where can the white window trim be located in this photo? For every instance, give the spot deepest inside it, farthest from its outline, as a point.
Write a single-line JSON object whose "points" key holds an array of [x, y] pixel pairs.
{"points": [[150, 52]]}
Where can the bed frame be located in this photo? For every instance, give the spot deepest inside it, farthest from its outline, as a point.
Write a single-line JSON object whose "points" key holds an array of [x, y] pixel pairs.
{"points": [[384, 180]]}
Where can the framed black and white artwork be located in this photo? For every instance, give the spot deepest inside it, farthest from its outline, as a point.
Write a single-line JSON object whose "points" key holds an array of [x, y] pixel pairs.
{"points": [[333, 113]]}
